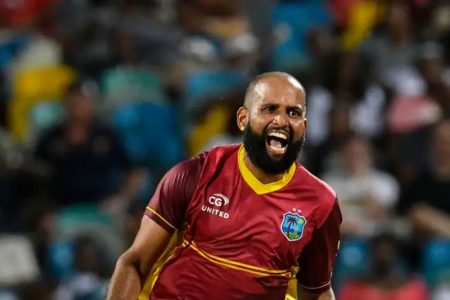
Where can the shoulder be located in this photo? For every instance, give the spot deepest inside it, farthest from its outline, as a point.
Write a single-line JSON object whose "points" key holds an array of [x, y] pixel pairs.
{"points": [[322, 194], [220, 154], [384, 177], [224, 150], [321, 189], [189, 167], [189, 172]]}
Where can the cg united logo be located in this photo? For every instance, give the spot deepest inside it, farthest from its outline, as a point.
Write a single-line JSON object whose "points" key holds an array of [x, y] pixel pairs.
{"points": [[215, 202], [218, 200], [292, 226]]}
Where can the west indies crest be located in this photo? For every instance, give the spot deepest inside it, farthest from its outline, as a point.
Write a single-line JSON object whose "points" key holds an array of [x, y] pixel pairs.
{"points": [[292, 226]]}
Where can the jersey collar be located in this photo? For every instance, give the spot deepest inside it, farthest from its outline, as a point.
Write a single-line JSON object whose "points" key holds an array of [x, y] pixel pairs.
{"points": [[257, 186]]}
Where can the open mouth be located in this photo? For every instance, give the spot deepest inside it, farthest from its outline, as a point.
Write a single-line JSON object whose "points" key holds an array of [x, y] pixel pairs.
{"points": [[277, 143]]}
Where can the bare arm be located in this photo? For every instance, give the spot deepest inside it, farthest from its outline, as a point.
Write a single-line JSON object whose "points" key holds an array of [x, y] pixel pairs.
{"points": [[431, 219], [325, 295], [133, 265], [118, 203]]}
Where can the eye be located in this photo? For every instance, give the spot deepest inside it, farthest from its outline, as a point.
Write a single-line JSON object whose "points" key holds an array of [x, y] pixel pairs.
{"points": [[295, 113], [270, 108]]}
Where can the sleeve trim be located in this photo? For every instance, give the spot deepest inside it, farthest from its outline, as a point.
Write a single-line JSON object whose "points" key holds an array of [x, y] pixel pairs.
{"points": [[315, 288], [161, 217]]}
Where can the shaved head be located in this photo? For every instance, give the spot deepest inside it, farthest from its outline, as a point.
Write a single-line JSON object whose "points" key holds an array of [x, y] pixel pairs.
{"points": [[256, 88]]}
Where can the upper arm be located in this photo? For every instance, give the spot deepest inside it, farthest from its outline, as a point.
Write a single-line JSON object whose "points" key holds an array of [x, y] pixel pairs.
{"points": [[148, 245], [317, 259], [169, 203], [164, 214]]}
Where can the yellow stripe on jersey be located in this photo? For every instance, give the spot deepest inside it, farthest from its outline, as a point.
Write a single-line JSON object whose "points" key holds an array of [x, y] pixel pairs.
{"points": [[256, 185], [161, 217], [238, 265], [168, 254]]}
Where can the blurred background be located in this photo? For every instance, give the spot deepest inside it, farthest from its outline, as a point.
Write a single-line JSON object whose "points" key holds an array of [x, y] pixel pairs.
{"points": [[99, 98]]}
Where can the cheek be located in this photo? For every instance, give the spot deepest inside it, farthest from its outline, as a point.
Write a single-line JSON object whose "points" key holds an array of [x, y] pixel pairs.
{"points": [[258, 123], [299, 130]]}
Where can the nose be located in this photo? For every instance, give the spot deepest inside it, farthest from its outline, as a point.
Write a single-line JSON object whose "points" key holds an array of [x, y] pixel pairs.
{"points": [[281, 120]]}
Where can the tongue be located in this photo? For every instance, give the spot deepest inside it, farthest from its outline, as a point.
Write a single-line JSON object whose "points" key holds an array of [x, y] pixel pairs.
{"points": [[275, 143]]}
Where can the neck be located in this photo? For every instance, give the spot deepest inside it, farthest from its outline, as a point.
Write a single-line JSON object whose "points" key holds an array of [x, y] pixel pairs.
{"points": [[259, 174]]}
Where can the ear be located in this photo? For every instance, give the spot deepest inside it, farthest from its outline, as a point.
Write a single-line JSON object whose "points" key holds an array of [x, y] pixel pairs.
{"points": [[306, 122], [242, 118]]}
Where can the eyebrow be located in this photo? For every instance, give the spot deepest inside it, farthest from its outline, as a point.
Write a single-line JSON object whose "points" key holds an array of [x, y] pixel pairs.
{"points": [[299, 107]]}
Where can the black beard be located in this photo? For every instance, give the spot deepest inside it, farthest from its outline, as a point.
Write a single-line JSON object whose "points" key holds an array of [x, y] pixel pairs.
{"points": [[255, 146]]}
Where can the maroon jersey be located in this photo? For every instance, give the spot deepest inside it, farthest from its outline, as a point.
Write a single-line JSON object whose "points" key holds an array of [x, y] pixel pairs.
{"points": [[243, 236]]}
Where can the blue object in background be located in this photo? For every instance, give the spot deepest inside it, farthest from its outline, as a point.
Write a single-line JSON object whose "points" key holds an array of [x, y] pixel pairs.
{"points": [[352, 261], [125, 85], [436, 261], [291, 23], [60, 259], [203, 86], [9, 47], [150, 133], [44, 115]]}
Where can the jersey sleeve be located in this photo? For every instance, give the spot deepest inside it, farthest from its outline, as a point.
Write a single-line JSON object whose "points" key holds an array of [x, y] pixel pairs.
{"points": [[317, 259], [169, 203]]}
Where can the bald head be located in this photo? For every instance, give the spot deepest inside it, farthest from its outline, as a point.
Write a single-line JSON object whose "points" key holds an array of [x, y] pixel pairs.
{"points": [[258, 87]]}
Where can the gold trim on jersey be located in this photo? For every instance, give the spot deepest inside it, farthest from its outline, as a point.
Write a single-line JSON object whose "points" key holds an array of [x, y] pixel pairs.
{"points": [[237, 265], [161, 217], [256, 185]]}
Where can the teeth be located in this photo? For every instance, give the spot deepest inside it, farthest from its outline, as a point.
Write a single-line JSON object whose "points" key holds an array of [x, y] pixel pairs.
{"points": [[279, 135]]}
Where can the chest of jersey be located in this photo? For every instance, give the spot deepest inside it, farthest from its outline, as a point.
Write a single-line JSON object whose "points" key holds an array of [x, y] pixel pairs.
{"points": [[227, 218]]}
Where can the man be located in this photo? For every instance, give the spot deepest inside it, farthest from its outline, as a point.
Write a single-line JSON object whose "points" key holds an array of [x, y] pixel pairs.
{"points": [[367, 195], [428, 206], [252, 213], [88, 163]]}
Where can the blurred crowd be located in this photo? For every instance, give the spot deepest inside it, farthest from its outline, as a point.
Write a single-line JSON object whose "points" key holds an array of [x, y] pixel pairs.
{"points": [[99, 98]]}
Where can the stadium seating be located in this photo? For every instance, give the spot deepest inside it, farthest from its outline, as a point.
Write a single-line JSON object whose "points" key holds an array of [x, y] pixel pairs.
{"points": [[30, 88], [43, 115], [10, 47], [436, 262], [206, 85], [291, 23], [77, 220], [352, 261], [124, 85], [60, 259], [150, 133]]}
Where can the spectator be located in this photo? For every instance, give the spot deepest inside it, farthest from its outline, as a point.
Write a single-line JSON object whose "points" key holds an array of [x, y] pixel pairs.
{"points": [[87, 161], [393, 51], [428, 199], [366, 195]]}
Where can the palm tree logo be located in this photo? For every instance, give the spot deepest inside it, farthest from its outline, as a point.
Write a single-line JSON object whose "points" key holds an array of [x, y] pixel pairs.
{"points": [[292, 226]]}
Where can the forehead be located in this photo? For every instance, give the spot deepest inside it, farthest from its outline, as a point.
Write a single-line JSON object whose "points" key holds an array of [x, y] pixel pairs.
{"points": [[279, 90]]}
